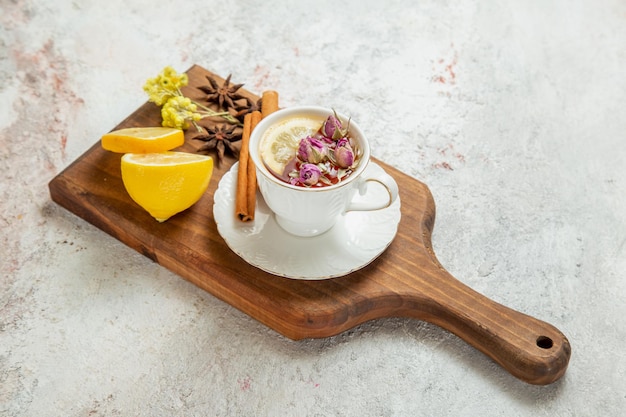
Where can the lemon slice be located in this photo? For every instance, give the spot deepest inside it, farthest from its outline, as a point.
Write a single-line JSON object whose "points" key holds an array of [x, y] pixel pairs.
{"points": [[280, 142], [166, 183], [143, 139]]}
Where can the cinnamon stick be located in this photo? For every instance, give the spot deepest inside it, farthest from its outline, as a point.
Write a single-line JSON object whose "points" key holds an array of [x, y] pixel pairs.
{"points": [[251, 193], [241, 201], [269, 102], [246, 177]]}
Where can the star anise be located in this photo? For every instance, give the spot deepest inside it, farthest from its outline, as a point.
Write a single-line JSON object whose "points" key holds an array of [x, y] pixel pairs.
{"points": [[221, 138], [224, 95], [248, 107]]}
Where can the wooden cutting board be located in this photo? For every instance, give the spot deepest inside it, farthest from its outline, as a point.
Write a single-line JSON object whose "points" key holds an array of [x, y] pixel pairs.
{"points": [[405, 281]]}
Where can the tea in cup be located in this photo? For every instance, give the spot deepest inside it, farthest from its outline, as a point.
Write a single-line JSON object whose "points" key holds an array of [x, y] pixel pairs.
{"points": [[310, 164]]}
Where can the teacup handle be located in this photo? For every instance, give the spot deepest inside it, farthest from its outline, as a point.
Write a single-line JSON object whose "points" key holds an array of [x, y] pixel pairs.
{"points": [[383, 179]]}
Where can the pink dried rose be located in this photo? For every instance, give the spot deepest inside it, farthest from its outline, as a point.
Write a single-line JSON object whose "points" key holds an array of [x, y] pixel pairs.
{"points": [[309, 174], [333, 129], [312, 150], [343, 154]]}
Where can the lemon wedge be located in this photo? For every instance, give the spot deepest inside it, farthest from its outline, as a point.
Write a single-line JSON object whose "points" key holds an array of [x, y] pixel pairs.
{"points": [[143, 139], [280, 142], [166, 183]]}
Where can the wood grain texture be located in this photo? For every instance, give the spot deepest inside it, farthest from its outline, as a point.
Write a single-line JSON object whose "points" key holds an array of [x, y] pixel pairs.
{"points": [[405, 281]]}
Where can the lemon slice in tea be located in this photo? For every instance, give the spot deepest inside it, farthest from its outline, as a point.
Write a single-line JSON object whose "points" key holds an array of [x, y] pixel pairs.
{"points": [[166, 183], [280, 142]]}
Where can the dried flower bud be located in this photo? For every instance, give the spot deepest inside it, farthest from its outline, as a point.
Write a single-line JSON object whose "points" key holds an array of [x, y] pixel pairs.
{"points": [[311, 150], [344, 155], [333, 129], [309, 174]]}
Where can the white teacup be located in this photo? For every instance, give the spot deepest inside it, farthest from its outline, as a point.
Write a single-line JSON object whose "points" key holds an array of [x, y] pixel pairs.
{"points": [[312, 211]]}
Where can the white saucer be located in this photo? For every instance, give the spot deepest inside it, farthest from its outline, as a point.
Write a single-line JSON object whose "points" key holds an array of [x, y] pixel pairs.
{"points": [[357, 238]]}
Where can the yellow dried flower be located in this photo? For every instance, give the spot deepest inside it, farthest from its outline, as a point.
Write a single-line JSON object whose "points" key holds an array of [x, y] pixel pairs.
{"points": [[172, 78], [165, 85], [178, 111]]}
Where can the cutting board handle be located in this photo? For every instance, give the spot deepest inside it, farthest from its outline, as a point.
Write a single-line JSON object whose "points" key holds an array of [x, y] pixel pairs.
{"points": [[530, 349]]}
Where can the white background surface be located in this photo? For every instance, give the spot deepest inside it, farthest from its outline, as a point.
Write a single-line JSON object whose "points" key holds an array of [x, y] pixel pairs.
{"points": [[512, 112]]}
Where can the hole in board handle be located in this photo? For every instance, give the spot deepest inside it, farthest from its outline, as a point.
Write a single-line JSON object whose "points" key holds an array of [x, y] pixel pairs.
{"points": [[544, 342]]}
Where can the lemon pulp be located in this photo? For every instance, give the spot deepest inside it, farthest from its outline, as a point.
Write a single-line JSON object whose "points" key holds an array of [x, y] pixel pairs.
{"points": [[166, 183], [280, 142], [143, 139]]}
